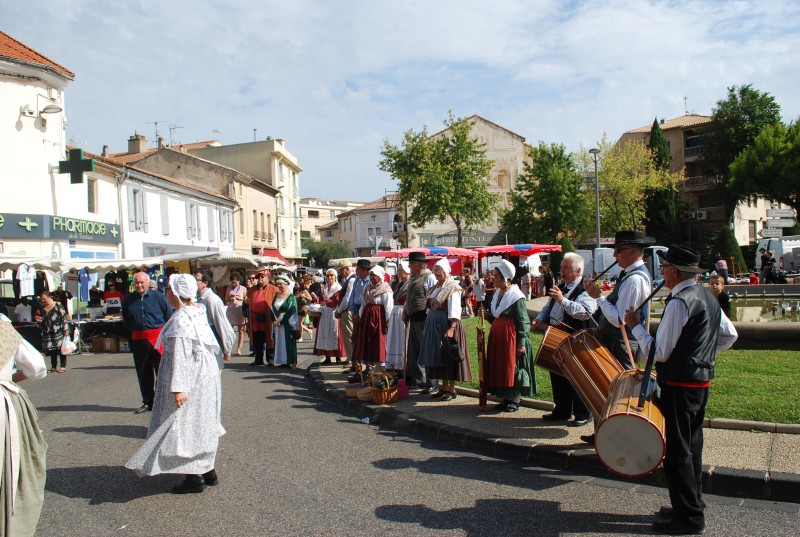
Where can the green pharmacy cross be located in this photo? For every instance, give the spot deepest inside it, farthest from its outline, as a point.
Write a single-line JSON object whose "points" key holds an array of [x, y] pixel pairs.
{"points": [[76, 165]]}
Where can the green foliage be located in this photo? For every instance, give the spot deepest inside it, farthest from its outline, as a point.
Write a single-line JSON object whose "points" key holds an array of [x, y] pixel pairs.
{"points": [[557, 257], [728, 247], [550, 200], [737, 120], [770, 166], [661, 217], [659, 147], [322, 252], [443, 176]]}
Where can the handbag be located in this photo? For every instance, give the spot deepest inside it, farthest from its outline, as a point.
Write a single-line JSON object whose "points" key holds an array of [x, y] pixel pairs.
{"points": [[450, 351]]}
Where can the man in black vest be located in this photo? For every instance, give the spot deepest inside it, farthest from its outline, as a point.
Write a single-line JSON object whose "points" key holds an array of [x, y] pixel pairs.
{"points": [[568, 309], [692, 331], [414, 313]]}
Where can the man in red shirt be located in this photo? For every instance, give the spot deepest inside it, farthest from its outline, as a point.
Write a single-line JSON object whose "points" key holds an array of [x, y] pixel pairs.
{"points": [[261, 297]]}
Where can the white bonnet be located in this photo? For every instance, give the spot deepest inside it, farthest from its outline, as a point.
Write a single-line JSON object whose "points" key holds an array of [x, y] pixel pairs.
{"points": [[378, 271], [507, 269], [183, 285], [444, 264], [404, 265]]}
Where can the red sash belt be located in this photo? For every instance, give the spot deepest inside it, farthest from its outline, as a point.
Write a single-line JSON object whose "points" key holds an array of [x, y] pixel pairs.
{"points": [[151, 335], [703, 384]]}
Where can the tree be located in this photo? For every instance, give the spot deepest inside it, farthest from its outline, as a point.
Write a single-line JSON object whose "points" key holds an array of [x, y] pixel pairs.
{"points": [[443, 176], [627, 173], [736, 121], [661, 219], [770, 166], [322, 252], [549, 201], [728, 247]]}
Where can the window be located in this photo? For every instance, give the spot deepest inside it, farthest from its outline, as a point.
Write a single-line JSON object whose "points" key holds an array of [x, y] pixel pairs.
{"points": [[211, 218], [270, 229], [263, 228], [192, 221], [328, 233], [255, 222], [331, 214], [707, 201], [223, 226], [283, 237], [751, 231], [137, 210], [241, 221], [91, 195], [370, 232], [378, 230], [313, 215]]}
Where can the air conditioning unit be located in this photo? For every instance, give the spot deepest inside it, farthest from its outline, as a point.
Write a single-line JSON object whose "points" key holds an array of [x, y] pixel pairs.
{"points": [[702, 215], [691, 215]]}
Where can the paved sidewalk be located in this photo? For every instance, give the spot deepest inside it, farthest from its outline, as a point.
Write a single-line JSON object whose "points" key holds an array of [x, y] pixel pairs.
{"points": [[741, 460]]}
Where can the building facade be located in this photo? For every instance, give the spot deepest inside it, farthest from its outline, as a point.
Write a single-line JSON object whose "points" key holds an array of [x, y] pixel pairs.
{"points": [[704, 212], [316, 214], [271, 162]]}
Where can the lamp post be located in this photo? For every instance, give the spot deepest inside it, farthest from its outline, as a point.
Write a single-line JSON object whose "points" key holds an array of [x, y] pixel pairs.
{"points": [[595, 152]]}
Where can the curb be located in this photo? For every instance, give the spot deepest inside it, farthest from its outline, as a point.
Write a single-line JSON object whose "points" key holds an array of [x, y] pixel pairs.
{"points": [[723, 481]]}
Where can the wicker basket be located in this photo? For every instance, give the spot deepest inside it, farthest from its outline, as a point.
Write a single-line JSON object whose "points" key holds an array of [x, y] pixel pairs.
{"points": [[386, 395], [364, 395], [352, 390]]}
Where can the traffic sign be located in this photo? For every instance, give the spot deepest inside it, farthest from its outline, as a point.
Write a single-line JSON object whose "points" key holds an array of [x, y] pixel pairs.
{"points": [[768, 233], [780, 213], [781, 222]]}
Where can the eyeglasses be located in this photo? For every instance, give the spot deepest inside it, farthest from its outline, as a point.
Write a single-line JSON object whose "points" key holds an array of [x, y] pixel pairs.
{"points": [[619, 249], [261, 276]]}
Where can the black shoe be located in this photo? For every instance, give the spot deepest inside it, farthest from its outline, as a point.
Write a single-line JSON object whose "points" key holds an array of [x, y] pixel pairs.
{"points": [[666, 511], [192, 484], [142, 409], [449, 396], [500, 407], [581, 421], [251, 354], [588, 438], [554, 417], [256, 363], [270, 364], [512, 407], [440, 393], [210, 478], [677, 526], [427, 390], [326, 361]]}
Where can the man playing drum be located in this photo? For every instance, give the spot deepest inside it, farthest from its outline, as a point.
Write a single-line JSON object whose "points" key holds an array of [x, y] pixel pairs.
{"points": [[569, 309], [693, 330], [633, 286]]}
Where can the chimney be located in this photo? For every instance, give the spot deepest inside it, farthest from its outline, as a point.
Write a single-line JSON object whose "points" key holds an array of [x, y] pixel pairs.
{"points": [[662, 121], [105, 151], [161, 143], [137, 144]]}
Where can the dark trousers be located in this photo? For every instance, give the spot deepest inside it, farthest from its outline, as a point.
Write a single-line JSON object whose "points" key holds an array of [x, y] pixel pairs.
{"points": [[415, 373], [259, 341], [54, 355], [620, 351], [684, 410], [146, 359], [567, 400]]}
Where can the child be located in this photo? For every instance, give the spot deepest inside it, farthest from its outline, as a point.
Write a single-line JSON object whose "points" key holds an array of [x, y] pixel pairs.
{"points": [[716, 283], [754, 278]]}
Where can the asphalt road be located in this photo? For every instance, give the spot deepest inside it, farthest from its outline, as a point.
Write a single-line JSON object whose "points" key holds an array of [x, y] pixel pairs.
{"points": [[291, 464]]}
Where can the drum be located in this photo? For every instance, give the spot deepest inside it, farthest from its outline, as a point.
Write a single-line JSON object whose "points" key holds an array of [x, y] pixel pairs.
{"points": [[546, 356], [590, 367], [630, 440]]}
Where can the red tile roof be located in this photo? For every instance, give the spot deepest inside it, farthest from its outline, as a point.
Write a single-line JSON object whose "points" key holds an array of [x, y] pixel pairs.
{"points": [[683, 122], [14, 50], [385, 202], [125, 158]]}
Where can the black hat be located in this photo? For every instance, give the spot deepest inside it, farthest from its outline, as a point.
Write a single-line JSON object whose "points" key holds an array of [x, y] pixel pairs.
{"points": [[682, 258], [632, 237], [364, 263], [416, 256]]}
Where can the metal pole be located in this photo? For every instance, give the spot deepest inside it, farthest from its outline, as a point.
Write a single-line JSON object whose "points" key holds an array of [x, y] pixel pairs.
{"points": [[596, 201]]}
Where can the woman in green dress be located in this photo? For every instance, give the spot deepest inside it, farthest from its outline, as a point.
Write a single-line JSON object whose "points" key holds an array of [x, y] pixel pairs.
{"points": [[509, 352], [285, 324]]}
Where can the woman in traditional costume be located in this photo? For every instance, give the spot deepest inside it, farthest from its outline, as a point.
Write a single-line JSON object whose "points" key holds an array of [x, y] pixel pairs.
{"points": [[373, 324], [185, 427], [444, 319], [396, 336], [52, 320], [285, 324], [509, 353], [328, 342], [23, 450]]}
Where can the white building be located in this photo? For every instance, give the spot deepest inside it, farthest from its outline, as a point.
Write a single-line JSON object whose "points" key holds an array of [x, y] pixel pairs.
{"points": [[316, 213], [42, 213]]}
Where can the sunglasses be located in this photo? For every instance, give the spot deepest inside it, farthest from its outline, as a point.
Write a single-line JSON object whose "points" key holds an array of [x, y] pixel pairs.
{"points": [[618, 249]]}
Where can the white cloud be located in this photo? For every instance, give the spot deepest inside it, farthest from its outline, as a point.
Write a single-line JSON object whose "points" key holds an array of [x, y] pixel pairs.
{"points": [[334, 78]]}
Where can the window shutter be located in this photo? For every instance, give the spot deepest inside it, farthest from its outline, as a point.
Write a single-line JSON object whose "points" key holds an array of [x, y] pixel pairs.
{"points": [[189, 216], [230, 226], [131, 210], [164, 214], [211, 231], [143, 197], [197, 226]]}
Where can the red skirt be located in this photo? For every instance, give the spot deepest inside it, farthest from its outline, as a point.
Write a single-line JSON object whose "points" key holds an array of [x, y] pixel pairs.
{"points": [[371, 340], [501, 353]]}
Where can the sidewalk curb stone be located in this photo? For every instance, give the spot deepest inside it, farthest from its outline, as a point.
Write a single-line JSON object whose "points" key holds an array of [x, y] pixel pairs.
{"points": [[739, 483]]}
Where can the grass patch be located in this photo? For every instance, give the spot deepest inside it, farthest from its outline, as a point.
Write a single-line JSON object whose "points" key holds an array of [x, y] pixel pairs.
{"points": [[759, 385]]}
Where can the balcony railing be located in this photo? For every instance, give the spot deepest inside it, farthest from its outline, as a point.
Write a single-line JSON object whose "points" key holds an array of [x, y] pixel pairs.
{"points": [[695, 151], [697, 180]]}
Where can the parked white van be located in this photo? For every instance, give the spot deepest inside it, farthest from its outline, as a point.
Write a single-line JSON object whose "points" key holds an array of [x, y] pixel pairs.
{"points": [[787, 252]]}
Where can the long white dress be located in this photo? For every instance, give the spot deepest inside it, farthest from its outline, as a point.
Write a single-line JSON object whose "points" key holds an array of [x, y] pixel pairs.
{"points": [[184, 440]]}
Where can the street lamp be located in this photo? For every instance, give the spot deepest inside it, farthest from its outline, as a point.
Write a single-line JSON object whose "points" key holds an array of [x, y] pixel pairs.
{"points": [[594, 153]]}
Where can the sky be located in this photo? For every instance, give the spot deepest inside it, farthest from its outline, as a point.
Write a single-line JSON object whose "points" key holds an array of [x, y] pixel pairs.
{"points": [[336, 78]]}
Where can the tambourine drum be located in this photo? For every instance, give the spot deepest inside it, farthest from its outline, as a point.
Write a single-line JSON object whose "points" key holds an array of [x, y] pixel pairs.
{"points": [[590, 367], [546, 356], [630, 440]]}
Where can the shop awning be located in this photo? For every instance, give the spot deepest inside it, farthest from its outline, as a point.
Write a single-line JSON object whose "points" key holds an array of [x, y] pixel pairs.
{"points": [[432, 251], [516, 249], [273, 252]]}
